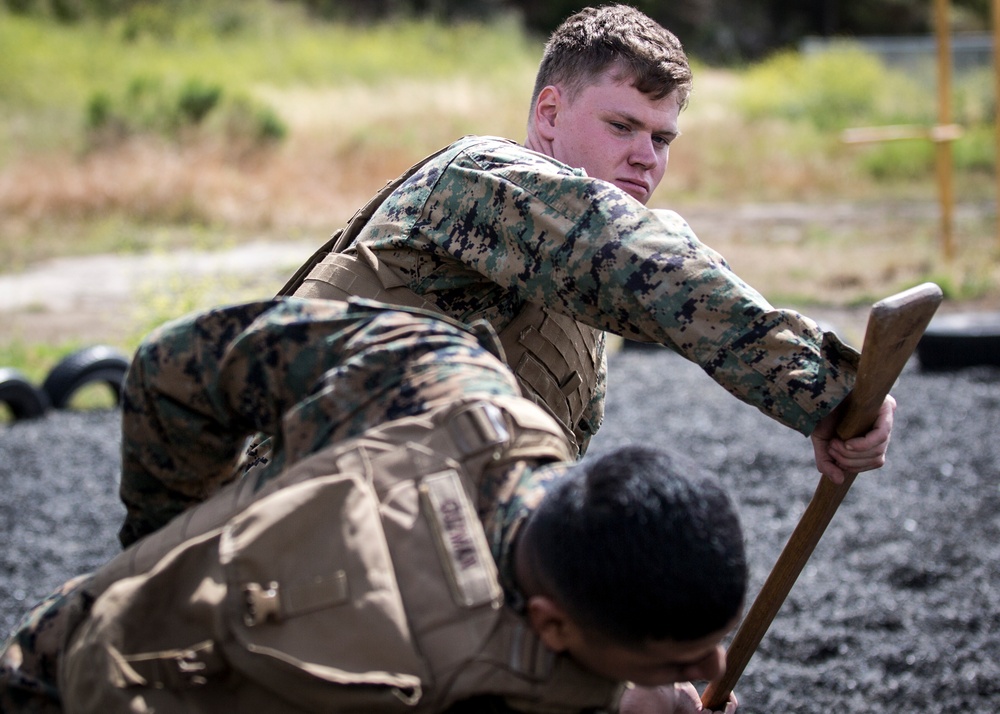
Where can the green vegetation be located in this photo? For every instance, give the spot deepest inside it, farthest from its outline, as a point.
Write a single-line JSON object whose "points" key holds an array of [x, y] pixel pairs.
{"points": [[153, 66], [148, 104], [845, 88], [157, 304], [832, 90], [33, 360], [225, 114]]}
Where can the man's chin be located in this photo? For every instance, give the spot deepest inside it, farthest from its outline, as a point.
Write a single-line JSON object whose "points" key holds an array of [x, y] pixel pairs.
{"points": [[637, 192]]}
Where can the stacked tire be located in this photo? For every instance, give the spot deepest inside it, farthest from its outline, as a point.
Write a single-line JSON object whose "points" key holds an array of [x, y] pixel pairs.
{"points": [[100, 365], [958, 340], [23, 399]]}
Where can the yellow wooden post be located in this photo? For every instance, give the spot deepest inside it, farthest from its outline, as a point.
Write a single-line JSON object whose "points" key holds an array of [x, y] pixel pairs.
{"points": [[996, 104], [943, 148]]}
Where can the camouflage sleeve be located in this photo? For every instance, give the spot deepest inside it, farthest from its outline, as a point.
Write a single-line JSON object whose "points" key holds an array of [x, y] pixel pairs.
{"points": [[305, 372], [505, 501], [547, 234]]}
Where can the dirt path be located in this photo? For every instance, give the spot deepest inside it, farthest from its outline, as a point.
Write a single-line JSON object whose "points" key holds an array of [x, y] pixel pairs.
{"points": [[109, 297], [835, 255], [116, 298]]}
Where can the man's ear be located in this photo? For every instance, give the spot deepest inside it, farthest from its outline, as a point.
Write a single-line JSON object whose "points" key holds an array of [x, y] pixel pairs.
{"points": [[550, 622], [547, 106]]}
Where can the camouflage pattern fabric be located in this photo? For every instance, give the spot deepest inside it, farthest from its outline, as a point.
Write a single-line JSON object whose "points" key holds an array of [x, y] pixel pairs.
{"points": [[306, 373], [309, 373], [506, 501], [29, 658], [487, 225]]}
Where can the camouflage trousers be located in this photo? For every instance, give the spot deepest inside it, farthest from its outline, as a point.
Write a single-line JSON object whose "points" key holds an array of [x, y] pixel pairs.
{"points": [[28, 661]]}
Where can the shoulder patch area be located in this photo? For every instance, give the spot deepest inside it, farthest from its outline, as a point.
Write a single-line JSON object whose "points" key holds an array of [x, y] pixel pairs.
{"points": [[461, 542]]}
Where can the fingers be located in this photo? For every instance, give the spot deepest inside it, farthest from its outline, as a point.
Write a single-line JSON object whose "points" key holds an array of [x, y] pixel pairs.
{"points": [[686, 698], [826, 464], [733, 704], [838, 461], [867, 451], [878, 437]]}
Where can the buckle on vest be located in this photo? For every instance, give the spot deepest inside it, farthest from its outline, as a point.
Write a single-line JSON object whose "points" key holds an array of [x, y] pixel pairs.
{"points": [[191, 669], [478, 428], [173, 669], [262, 604], [488, 339]]}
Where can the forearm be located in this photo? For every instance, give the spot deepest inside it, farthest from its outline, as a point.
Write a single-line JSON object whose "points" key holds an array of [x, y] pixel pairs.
{"points": [[652, 279], [776, 360], [787, 367]]}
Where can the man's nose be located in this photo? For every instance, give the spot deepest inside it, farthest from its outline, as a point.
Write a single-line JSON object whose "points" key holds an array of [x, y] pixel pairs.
{"points": [[644, 152]]}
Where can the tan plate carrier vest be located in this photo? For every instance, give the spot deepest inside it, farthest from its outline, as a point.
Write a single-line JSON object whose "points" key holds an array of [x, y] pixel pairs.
{"points": [[359, 580], [554, 357]]}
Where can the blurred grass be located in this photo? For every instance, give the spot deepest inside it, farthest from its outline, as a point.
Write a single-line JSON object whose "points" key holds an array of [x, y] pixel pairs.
{"points": [[50, 71], [91, 159], [34, 360]]}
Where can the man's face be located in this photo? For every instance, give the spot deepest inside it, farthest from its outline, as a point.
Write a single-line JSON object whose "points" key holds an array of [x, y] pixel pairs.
{"points": [[653, 664], [612, 131]]}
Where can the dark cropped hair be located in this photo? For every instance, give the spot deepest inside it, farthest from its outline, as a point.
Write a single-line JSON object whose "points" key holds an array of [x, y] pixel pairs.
{"points": [[638, 545], [596, 39]]}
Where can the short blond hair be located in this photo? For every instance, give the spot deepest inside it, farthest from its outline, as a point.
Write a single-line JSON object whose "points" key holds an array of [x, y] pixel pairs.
{"points": [[619, 38]]}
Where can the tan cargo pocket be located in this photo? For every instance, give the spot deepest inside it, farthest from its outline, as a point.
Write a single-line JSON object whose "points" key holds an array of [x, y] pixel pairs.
{"points": [[313, 607]]}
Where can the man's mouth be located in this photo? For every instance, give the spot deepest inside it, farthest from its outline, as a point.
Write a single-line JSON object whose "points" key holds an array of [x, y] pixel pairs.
{"points": [[636, 188]]}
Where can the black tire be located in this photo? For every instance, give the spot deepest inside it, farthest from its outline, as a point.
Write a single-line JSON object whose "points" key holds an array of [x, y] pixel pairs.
{"points": [[961, 340], [91, 365], [25, 400]]}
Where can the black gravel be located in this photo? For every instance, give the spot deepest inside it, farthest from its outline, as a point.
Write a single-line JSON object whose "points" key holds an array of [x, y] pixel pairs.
{"points": [[898, 609]]}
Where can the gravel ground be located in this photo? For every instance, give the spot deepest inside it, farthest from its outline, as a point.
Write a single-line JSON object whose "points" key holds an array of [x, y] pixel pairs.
{"points": [[898, 610]]}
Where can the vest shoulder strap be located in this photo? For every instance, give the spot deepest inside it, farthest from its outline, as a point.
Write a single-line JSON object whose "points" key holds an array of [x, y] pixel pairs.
{"points": [[343, 237]]}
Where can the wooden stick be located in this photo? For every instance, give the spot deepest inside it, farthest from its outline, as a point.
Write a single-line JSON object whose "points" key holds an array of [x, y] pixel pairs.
{"points": [[895, 325]]}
